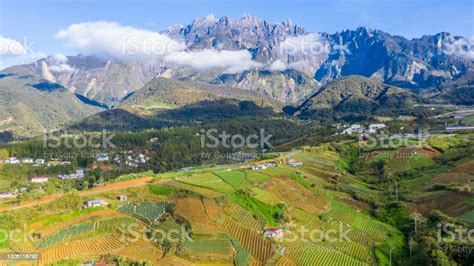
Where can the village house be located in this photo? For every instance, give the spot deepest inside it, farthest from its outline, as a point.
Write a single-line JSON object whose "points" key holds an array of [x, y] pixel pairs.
{"points": [[12, 160], [39, 162], [377, 126], [27, 160], [263, 165], [102, 157], [95, 203], [39, 179], [77, 175], [293, 163], [275, 233], [7, 195], [122, 198], [54, 162]]}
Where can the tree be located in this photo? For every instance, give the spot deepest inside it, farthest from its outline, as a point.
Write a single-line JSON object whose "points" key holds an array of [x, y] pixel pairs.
{"points": [[4, 154]]}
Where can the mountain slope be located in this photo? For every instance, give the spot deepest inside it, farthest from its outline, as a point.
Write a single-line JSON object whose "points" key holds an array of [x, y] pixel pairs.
{"points": [[105, 81], [29, 105], [356, 95], [169, 93]]}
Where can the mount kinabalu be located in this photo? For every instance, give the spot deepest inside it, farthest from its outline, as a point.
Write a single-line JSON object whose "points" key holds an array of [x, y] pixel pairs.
{"points": [[286, 76]]}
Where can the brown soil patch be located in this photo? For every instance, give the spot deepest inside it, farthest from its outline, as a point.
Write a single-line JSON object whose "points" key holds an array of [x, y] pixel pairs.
{"points": [[193, 211], [356, 204]]}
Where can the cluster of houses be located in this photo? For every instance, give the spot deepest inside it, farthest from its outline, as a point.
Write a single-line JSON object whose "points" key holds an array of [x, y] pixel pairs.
{"points": [[293, 163], [141, 159], [263, 166], [130, 159], [77, 175], [360, 129], [36, 162]]}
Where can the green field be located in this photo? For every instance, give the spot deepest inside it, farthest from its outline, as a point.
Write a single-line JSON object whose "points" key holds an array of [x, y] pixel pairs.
{"points": [[207, 180], [234, 178]]}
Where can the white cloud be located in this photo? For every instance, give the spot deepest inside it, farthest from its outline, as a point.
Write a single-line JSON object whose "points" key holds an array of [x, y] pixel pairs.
{"points": [[122, 42], [58, 63], [277, 65], [463, 47], [128, 43], [10, 47], [231, 62], [13, 52], [312, 43]]}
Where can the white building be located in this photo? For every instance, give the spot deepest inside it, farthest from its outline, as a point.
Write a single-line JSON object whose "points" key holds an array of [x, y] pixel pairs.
{"points": [[377, 126], [39, 162], [122, 198], [7, 195], [39, 179], [102, 157], [27, 160], [78, 174], [275, 233], [95, 203], [12, 160]]}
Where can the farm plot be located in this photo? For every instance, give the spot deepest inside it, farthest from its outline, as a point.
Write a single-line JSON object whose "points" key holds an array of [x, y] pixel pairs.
{"points": [[89, 247], [86, 217], [297, 195], [346, 215], [252, 241], [450, 177], [140, 250], [198, 190], [66, 233], [351, 248], [193, 211], [265, 196], [449, 202], [207, 250], [171, 230], [234, 178], [466, 167], [149, 211], [243, 217], [308, 253], [256, 177], [209, 181], [212, 208]]}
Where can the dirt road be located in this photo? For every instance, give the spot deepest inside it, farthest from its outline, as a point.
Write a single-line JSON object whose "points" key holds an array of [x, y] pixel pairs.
{"points": [[108, 187]]}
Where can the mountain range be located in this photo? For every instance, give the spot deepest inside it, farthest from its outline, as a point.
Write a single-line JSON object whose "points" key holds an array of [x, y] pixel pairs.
{"points": [[289, 67]]}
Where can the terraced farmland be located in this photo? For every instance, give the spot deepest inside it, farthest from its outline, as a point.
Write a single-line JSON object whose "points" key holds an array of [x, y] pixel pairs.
{"points": [[297, 195], [308, 253], [206, 250], [140, 250], [376, 230], [243, 217], [89, 247], [196, 189], [193, 211], [149, 211], [254, 242], [265, 196], [66, 233]]}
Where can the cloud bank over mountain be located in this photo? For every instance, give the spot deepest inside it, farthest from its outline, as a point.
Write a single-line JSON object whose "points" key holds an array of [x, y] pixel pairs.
{"points": [[110, 39]]}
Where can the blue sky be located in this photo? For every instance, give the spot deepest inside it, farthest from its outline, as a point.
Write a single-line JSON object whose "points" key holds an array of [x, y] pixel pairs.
{"points": [[40, 20]]}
